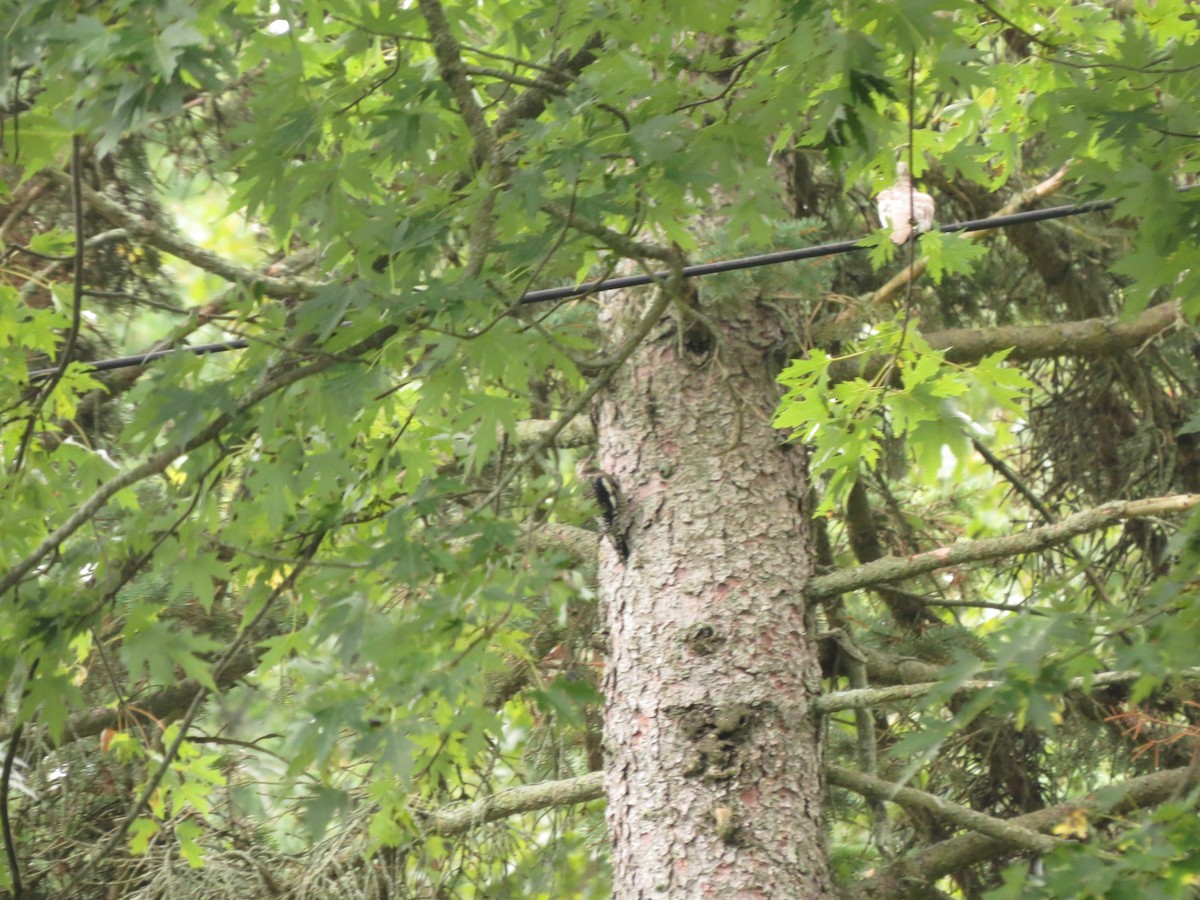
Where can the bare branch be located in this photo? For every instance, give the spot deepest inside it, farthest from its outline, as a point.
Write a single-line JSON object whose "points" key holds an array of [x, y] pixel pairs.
{"points": [[897, 568], [861, 698], [907, 878], [1089, 337], [459, 818], [576, 434], [1100, 336], [1006, 832]]}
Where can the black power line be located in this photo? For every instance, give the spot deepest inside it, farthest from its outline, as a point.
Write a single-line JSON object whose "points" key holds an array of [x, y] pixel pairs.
{"points": [[140, 359], [782, 256], [697, 271]]}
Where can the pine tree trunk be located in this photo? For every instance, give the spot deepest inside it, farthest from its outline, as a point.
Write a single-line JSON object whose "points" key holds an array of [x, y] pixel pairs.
{"points": [[713, 769]]}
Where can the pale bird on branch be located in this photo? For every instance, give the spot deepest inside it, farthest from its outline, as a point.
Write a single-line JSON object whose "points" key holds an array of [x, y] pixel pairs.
{"points": [[902, 207]]}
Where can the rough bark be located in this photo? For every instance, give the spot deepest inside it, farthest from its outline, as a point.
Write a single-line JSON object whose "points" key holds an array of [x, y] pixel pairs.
{"points": [[713, 770]]}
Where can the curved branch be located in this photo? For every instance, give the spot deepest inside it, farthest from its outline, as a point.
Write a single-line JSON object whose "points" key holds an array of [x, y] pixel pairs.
{"points": [[896, 568]]}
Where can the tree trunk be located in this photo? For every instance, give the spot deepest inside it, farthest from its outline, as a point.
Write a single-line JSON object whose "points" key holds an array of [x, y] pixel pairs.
{"points": [[713, 770]]}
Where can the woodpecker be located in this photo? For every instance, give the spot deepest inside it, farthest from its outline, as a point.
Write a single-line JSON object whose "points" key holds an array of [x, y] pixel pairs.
{"points": [[611, 502]]}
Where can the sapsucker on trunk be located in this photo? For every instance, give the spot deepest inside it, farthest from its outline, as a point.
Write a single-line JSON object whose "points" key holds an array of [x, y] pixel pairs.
{"points": [[607, 495]]}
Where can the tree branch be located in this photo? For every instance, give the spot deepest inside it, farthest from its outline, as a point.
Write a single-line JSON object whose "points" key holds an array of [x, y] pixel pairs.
{"points": [[454, 73], [1100, 336], [1089, 337], [861, 698], [164, 237], [909, 877], [577, 433], [992, 836], [532, 102], [171, 753], [1082, 289], [991, 833], [614, 240], [68, 346], [160, 705], [895, 568], [38, 280], [1001, 830], [459, 818], [1050, 186]]}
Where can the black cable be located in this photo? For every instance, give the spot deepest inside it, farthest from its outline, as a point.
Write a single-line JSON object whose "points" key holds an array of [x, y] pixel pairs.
{"points": [[140, 359], [782, 256], [698, 271]]}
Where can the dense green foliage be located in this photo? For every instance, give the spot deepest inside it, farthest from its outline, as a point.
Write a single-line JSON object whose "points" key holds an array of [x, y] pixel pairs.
{"points": [[347, 513]]}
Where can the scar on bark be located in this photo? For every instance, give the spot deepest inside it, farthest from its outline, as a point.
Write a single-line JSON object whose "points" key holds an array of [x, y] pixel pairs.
{"points": [[716, 734], [702, 639]]}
